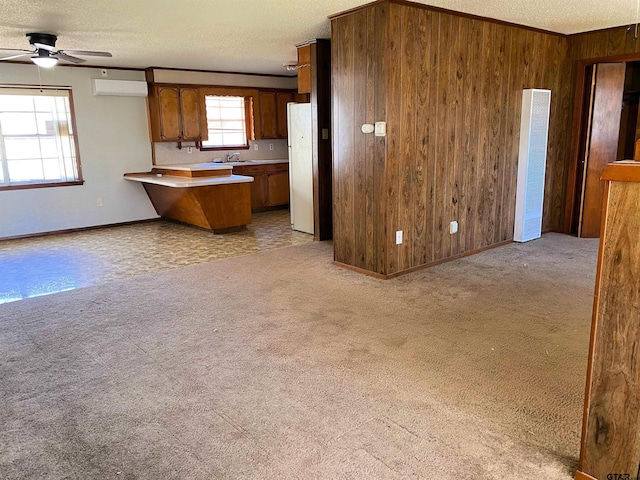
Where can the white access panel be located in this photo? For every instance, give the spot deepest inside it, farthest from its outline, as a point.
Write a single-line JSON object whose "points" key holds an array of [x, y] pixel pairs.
{"points": [[532, 164], [300, 166]]}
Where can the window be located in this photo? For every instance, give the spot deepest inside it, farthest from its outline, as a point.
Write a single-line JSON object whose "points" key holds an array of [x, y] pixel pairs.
{"points": [[227, 122], [37, 139]]}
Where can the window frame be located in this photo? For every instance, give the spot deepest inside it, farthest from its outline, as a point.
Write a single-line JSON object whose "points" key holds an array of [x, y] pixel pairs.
{"points": [[72, 117], [248, 121]]}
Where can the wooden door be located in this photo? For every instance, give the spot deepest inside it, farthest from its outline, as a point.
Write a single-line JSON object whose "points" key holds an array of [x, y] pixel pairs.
{"points": [[602, 143], [190, 108], [268, 115], [282, 99], [169, 113]]}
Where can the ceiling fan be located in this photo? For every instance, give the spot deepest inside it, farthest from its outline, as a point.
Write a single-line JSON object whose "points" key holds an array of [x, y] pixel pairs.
{"points": [[45, 54]]}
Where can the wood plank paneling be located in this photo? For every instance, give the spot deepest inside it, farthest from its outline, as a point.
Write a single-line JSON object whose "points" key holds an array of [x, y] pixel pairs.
{"points": [[442, 245], [471, 129], [407, 163], [394, 115], [360, 154], [422, 251], [456, 136], [382, 229], [370, 116], [611, 442], [449, 88], [482, 227]]}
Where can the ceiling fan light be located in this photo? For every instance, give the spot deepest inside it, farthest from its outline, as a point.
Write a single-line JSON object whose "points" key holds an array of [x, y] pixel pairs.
{"points": [[44, 61]]}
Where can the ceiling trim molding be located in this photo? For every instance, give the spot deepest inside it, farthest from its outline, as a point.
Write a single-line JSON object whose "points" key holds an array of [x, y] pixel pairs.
{"points": [[219, 71], [133, 69]]}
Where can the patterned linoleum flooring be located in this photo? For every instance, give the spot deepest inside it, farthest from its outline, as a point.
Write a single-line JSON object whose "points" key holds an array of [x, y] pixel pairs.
{"points": [[44, 265]]}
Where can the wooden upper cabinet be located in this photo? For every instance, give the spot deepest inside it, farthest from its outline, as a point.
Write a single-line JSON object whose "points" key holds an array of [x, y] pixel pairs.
{"points": [[304, 69], [190, 108], [273, 113], [268, 115], [282, 99], [174, 113], [170, 123]]}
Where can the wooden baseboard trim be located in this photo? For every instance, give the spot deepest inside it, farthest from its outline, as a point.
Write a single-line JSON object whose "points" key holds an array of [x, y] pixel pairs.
{"points": [[583, 476], [377, 275], [81, 229], [382, 276]]}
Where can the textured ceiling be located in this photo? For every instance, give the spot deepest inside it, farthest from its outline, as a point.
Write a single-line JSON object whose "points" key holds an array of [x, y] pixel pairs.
{"points": [[247, 35]]}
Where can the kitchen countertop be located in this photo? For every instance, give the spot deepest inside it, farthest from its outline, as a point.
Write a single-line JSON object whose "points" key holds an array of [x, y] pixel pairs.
{"points": [[195, 167], [185, 182], [255, 162]]}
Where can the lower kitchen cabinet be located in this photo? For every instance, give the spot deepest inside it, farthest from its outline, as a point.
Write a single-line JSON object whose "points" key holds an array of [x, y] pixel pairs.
{"points": [[270, 186], [259, 192], [278, 185]]}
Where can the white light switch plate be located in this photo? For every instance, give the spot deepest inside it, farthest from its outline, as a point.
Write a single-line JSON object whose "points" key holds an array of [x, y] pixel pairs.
{"points": [[399, 237], [453, 227]]}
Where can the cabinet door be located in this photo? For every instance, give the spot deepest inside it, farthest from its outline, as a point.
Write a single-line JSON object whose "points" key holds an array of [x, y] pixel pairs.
{"points": [[268, 115], [190, 107], [304, 69], [169, 112], [259, 192], [282, 98], [278, 185]]}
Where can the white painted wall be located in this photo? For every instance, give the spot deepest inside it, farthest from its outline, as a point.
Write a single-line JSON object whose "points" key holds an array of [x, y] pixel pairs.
{"points": [[113, 139]]}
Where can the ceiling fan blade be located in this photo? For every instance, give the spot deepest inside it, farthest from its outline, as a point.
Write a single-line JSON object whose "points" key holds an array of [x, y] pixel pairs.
{"points": [[43, 46], [15, 50], [13, 57], [67, 58], [87, 53]]}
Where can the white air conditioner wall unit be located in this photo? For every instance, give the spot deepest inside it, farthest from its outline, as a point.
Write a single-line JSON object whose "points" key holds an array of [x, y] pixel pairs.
{"points": [[119, 88], [532, 164]]}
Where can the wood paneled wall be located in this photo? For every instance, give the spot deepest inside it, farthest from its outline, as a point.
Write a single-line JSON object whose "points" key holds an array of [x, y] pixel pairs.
{"points": [[450, 89]]}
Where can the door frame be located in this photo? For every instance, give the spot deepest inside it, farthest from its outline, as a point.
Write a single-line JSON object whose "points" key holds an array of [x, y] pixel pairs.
{"points": [[576, 129]]}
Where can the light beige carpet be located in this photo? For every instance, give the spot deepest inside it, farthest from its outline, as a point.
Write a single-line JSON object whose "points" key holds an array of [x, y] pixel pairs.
{"points": [[281, 365]]}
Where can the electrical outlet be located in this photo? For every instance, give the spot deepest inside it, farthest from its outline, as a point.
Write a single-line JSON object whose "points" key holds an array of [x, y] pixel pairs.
{"points": [[271, 146], [189, 149], [399, 237], [325, 134], [453, 227], [255, 147], [104, 72], [99, 201]]}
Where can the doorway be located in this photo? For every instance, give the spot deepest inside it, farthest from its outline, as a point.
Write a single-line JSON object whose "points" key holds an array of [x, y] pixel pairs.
{"points": [[609, 131]]}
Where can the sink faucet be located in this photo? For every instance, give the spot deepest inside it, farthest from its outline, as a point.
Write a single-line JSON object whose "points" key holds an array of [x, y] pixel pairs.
{"points": [[230, 156]]}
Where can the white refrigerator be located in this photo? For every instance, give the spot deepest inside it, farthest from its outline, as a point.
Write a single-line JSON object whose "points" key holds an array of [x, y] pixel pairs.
{"points": [[300, 166]]}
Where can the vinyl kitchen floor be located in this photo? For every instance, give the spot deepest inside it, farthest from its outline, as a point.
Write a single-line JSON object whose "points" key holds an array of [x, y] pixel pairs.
{"points": [[45, 265]]}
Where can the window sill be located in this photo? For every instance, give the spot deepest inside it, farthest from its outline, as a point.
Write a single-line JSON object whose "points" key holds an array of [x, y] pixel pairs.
{"points": [[24, 186], [237, 147]]}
